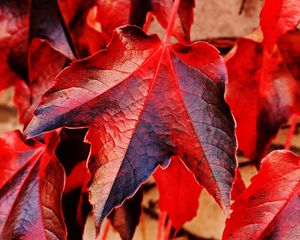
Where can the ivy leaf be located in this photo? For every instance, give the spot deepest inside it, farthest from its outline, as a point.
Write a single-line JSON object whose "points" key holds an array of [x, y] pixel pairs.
{"points": [[277, 18], [178, 192], [145, 101], [263, 91], [269, 208], [32, 185], [44, 65], [78, 15], [20, 22]]}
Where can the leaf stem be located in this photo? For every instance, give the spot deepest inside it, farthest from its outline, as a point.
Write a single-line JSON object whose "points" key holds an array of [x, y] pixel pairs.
{"points": [[148, 22], [161, 224], [106, 230], [172, 21], [168, 230], [289, 138], [242, 7]]}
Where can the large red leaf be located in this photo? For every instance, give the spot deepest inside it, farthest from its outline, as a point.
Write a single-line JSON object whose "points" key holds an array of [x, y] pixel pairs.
{"points": [[20, 22], [145, 101], [178, 192], [44, 65], [277, 18], [263, 91], [269, 208], [30, 196]]}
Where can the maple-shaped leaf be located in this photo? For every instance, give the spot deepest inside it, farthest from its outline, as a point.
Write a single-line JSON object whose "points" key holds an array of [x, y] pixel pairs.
{"points": [[277, 18], [20, 22], [44, 65], [269, 208], [145, 101], [262, 92], [178, 192], [125, 218], [113, 14], [32, 185]]}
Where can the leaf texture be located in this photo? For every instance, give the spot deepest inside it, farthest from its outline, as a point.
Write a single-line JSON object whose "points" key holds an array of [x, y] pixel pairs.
{"points": [[145, 101], [277, 18], [44, 65], [20, 22], [30, 198], [263, 91], [269, 208]]}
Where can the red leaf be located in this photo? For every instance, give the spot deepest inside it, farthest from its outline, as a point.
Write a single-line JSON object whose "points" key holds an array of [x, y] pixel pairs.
{"points": [[145, 101], [269, 208], [238, 186], [277, 18], [178, 192], [125, 218], [113, 14], [30, 199], [14, 24], [262, 92], [290, 51], [20, 22], [78, 14], [46, 23], [78, 177], [44, 65]]}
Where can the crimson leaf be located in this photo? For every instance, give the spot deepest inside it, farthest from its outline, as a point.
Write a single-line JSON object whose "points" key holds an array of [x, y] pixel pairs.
{"points": [[44, 64], [277, 18], [145, 101], [269, 208], [30, 198], [263, 90], [178, 192], [20, 22]]}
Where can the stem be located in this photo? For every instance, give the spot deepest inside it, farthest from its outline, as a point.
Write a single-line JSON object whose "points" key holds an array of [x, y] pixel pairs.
{"points": [[242, 7], [161, 224], [289, 138], [172, 21], [106, 230], [148, 22], [168, 230], [143, 228]]}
